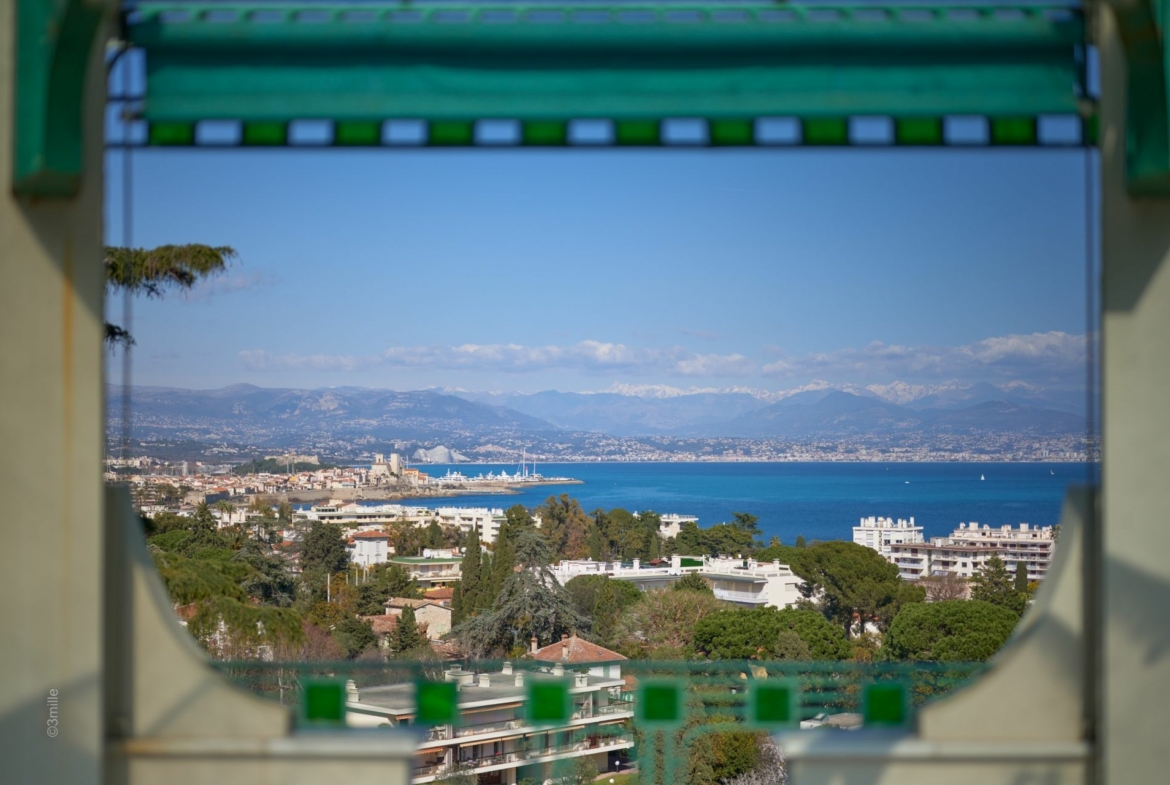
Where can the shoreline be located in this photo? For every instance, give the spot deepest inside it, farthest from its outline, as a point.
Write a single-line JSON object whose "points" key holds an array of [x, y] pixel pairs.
{"points": [[394, 494]]}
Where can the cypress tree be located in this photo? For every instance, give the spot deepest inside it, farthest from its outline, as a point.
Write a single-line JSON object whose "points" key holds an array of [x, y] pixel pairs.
{"points": [[487, 592], [1021, 577], [503, 562], [407, 636], [471, 584], [457, 603]]}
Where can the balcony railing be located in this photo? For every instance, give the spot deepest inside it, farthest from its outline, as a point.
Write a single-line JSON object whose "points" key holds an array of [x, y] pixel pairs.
{"points": [[615, 708], [488, 727], [740, 596]]}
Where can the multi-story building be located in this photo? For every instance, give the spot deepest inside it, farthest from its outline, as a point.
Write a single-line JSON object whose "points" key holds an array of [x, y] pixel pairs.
{"points": [[751, 583], [970, 546], [919, 559], [671, 524], [430, 573], [741, 581], [1032, 545], [486, 521], [368, 548], [495, 741], [880, 534]]}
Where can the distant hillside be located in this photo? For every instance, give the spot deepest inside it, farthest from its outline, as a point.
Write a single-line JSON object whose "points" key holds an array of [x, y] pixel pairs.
{"points": [[626, 415], [844, 414], [341, 423], [246, 414]]}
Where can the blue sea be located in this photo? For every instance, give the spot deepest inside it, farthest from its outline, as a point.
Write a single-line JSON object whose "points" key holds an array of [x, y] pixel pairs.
{"points": [[821, 501]]}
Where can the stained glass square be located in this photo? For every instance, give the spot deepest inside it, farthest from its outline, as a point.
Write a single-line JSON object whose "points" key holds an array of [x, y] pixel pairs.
{"points": [[323, 702], [772, 703], [436, 703], [548, 702], [884, 703], [660, 703]]}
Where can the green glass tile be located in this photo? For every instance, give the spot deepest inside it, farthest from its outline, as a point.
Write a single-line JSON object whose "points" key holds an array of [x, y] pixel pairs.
{"points": [[732, 132], [265, 133], [772, 703], [545, 132], [1090, 131], [918, 130], [637, 132], [172, 133], [1013, 130], [548, 702], [884, 703], [357, 133], [660, 703], [451, 133], [436, 703], [323, 702], [825, 130]]}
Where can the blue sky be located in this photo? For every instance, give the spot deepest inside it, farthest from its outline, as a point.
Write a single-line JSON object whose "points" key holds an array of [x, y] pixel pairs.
{"points": [[533, 270]]}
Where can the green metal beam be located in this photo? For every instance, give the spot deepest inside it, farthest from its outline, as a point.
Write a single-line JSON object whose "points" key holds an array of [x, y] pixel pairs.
{"points": [[1141, 25], [366, 63], [54, 41]]}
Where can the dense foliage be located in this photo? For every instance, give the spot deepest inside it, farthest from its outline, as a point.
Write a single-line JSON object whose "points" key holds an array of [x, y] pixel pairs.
{"points": [[769, 633], [152, 271], [994, 584], [531, 603], [853, 584], [949, 631]]}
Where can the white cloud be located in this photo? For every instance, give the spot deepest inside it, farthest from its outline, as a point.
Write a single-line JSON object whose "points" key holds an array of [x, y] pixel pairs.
{"points": [[227, 283], [1051, 356], [588, 356]]}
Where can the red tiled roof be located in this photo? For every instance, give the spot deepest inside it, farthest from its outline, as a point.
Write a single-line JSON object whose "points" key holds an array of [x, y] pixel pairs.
{"points": [[370, 536], [444, 593], [574, 651], [382, 624]]}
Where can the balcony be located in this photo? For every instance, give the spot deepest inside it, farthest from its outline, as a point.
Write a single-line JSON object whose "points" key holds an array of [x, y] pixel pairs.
{"points": [[488, 727], [731, 595]]}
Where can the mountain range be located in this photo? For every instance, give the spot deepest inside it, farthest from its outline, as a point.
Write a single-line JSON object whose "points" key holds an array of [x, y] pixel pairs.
{"points": [[345, 419], [821, 411]]}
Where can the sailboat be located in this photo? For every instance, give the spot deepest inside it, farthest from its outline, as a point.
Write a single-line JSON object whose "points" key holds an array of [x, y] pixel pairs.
{"points": [[1052, 472], [981, 478]]}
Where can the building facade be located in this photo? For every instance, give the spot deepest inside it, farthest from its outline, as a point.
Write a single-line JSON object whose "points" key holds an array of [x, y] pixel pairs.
{"points": [[969, 547], [430, 573], [495, 741], [880, 534], [744, 582]]}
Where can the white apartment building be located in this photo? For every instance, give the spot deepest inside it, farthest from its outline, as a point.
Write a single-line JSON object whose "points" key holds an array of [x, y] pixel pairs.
{"points": [[430, 573], [495, 740], [484, 520], [368, 548], [880, 534], [1032, 545], [751, 583], [741, 581], [970, 546], [672, 523]]}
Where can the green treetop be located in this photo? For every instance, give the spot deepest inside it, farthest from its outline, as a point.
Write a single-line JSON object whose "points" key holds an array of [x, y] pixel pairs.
{"points": [[853, 582], [407, 636], [531, 603], [955, 630], [323, 549], [1021, 582], [770, 633], [994, 584], [153, 271]]}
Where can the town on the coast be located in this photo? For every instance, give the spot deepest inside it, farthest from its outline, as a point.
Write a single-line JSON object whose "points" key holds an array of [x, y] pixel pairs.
{"points": [[344, 564]]}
